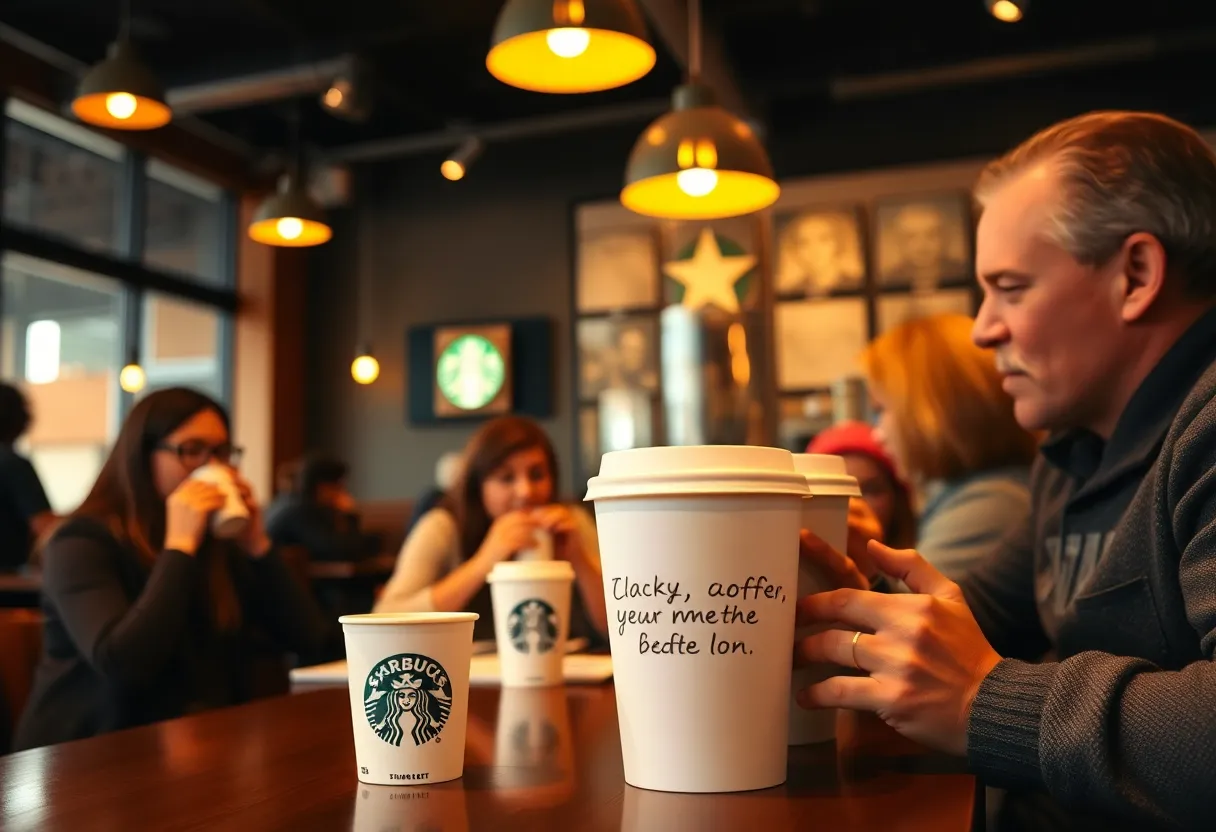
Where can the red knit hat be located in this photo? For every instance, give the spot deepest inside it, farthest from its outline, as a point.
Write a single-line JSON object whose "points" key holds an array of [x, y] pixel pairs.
{"points": [[856, 438]]}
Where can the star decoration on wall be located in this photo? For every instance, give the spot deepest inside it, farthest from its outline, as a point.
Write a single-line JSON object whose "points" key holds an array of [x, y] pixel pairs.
{"points": [[709, 277]]}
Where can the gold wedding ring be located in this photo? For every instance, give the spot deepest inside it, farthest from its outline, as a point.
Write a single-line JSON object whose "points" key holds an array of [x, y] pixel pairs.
{"points": [[856, 636]]}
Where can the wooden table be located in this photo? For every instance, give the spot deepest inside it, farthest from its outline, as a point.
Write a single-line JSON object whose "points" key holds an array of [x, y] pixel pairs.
{"points": [[535, 759]]}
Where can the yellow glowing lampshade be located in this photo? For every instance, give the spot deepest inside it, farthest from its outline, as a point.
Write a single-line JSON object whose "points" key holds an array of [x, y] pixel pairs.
{"points": [[290, 218], [365, 369], [132, 378], [121, 93], [1007, 11], [698, 162], [569, 46], [451, 169]]}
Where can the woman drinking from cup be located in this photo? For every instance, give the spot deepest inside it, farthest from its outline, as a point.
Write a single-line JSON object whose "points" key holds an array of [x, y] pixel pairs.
{"points": [[501, 507], [150, 614]]}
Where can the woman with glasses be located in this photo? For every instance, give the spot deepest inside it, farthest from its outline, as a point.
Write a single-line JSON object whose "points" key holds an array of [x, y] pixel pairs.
{"points": [[148, 617]]}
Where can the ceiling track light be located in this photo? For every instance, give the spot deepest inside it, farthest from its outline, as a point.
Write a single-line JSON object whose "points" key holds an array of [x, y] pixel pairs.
{"points": [[351, 92], [456, 165], [569, 46]]}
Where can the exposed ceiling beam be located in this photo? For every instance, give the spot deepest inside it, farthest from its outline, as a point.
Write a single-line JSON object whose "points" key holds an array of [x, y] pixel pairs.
{"points": [[669, 18], [640, 111], [276, 84]]}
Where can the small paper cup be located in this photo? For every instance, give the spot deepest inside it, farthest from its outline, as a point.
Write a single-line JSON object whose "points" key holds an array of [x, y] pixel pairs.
{"points": [[408, 675]]}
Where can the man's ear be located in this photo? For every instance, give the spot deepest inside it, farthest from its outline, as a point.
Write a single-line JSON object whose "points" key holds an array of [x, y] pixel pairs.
{"points": [[1144, 265]]}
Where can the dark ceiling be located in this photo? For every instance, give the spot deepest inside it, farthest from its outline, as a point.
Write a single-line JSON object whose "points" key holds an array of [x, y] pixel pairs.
{"points": [[787, 57]]}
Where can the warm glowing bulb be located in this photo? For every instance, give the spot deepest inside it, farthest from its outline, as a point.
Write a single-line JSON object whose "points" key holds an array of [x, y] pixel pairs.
{"points": [[451, 169], [365, 369], [289, 228], [121, 105], [132, 379], [568, 43], [1007, 11], [333, 98], [697, 181]]}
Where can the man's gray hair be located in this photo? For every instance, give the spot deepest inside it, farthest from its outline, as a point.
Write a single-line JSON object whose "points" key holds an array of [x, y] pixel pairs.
{"points": [[1126, 172]]}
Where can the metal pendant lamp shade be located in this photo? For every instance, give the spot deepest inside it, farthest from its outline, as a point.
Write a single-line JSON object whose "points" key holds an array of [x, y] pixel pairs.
{"points": [[121, 93], [698, 162], [290, 218], [569, 46]]}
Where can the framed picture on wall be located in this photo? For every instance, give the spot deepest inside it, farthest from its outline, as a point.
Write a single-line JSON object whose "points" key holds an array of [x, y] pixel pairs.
{"points": [[894, 310], [923, 241], [473, 370], [819, 251], [619, 351], [818, 341], [618, 269]]}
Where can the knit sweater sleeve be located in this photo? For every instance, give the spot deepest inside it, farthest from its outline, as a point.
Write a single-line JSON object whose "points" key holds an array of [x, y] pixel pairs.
{"points": [[1113, 734]]}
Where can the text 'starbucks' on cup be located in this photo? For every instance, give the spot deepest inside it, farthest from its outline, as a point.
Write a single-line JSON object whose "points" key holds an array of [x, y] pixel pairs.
{"points": [[699, 547]]}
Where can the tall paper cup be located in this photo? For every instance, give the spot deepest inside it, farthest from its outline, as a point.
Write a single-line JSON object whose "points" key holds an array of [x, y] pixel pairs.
{"points": [[542, 549], [531, 619], [409, 694], [699, 547], [232, 518], [826, 513]]}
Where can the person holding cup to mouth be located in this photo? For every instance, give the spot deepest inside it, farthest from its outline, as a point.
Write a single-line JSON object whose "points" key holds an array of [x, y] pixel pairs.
{"points": [[156, 588], [501, 508]]}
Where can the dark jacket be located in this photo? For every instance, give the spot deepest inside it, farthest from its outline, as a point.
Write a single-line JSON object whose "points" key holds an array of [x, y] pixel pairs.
{"points": [[327, 534], [1115, 576], [125, 645]]}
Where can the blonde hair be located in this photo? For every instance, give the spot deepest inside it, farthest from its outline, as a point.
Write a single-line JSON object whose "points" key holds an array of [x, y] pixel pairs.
{"points": [[951, 416], [1124, 172]]}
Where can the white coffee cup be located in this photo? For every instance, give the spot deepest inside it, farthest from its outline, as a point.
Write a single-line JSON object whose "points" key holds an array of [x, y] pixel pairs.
{"points": [[826, 514], [232, 518], [542, 549], [708, 535], [531, 619], [408, 675]]}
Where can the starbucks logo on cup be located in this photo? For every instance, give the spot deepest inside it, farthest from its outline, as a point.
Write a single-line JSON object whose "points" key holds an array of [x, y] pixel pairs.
{"points": [[532, 625], [407, 695]]}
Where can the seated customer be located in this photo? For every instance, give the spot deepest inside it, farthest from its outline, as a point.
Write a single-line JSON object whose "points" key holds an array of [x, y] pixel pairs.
{"points": [[25, 513], [949, 425], [147, 616], [504, 495], [884, 491], [318, 513]]}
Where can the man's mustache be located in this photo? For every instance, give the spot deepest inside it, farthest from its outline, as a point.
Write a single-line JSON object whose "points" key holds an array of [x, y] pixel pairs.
{"points": [[1007, 365]]}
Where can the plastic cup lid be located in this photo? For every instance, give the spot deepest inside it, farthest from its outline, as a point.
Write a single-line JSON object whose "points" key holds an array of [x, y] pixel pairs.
{"points": [[826, 475], [531, 570], [695, 470]]}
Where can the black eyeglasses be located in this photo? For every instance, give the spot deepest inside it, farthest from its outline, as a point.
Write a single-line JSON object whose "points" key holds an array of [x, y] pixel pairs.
{"points": [[195, 452]]}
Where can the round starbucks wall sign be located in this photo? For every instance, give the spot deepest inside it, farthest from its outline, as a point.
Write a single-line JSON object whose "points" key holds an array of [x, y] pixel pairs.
{"points": [[470, 372], [407, 695]]}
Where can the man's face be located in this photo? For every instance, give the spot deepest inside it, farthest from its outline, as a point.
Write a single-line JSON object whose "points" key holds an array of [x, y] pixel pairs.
{"points": [[919, 231], [1055, 323]]}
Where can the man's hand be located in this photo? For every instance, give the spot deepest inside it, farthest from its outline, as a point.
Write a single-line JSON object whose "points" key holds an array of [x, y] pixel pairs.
{"points": [[855, 568], [924, 652]]}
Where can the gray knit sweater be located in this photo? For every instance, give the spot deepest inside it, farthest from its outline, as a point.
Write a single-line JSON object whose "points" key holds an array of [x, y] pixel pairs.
{"points": [[1114, 576]]}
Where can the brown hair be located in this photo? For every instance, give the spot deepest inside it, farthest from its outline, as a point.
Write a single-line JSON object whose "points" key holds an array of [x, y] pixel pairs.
{"points": [[489, 448], [951, 414], [125, 500], [1125, 172]]}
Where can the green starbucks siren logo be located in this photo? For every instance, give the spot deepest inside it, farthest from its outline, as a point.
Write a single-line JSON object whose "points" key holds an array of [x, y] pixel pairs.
{"points": [[470, 372], [407, 694], [533, 626]]}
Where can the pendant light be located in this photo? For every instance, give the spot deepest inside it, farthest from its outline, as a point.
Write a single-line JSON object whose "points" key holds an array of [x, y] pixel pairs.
{"points": [[291, 217], [569, 46], [365, 368], [121, 93], [132, 378], [698, 162], [1007, 11]]}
